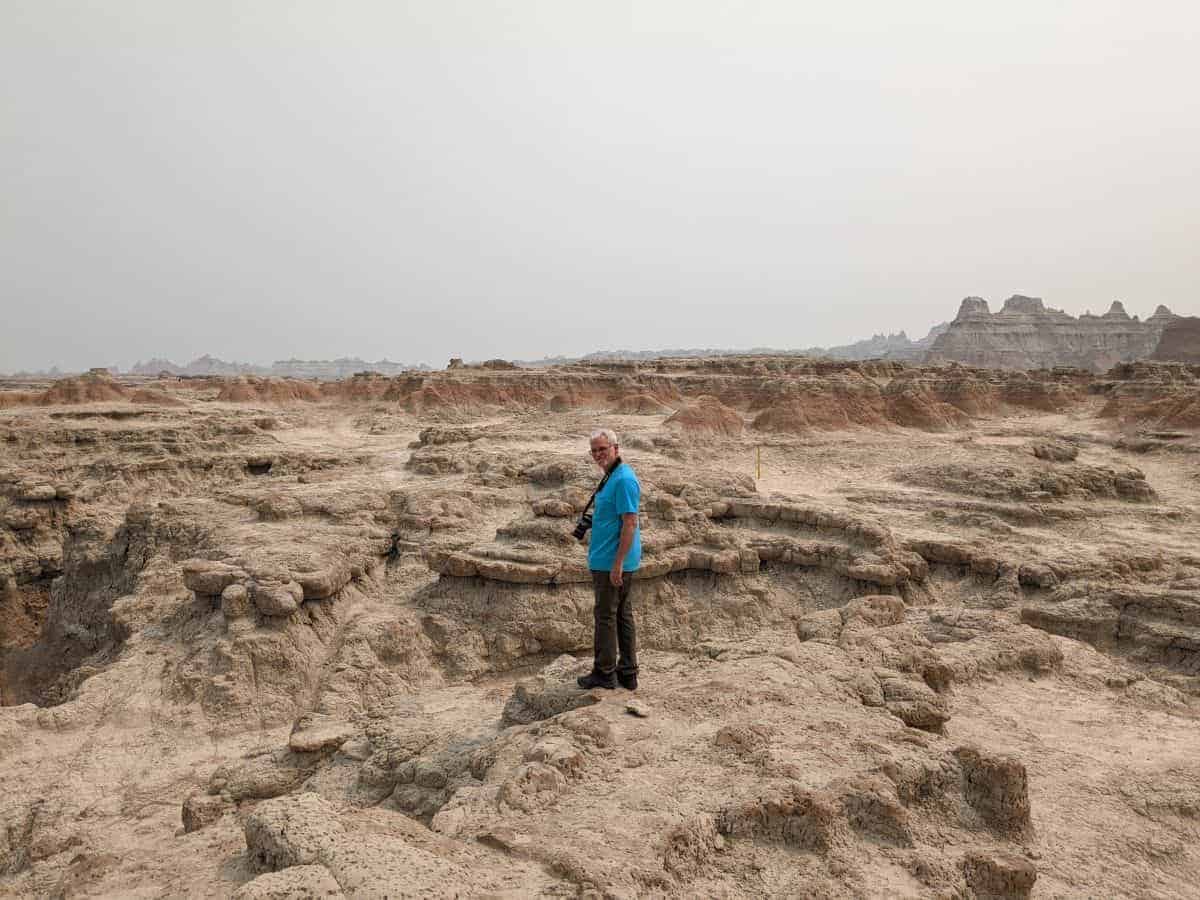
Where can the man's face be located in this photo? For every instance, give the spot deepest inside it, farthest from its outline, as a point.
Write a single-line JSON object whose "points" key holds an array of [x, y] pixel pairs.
{"points": [[603, 453]]}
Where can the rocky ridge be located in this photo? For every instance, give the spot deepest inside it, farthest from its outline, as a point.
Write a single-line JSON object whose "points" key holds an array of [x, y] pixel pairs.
{"points": [[1026, 334]]}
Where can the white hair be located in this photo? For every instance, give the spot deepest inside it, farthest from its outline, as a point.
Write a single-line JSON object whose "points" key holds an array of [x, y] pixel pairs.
{"points": [[607, 433]]}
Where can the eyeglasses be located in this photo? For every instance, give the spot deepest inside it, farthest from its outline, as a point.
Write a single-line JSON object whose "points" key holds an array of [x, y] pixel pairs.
{"points": [[600, 451]]}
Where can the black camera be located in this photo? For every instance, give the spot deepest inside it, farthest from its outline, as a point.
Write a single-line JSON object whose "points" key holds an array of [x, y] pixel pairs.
{"points": [[582, 526]]}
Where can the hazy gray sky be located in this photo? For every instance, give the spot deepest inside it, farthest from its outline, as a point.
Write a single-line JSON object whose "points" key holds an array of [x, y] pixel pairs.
{"points": [[421, 180]]}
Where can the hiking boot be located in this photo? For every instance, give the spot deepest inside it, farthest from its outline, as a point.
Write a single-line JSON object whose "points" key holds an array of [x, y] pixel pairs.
{"points": [[596, 680], [629, 682]]}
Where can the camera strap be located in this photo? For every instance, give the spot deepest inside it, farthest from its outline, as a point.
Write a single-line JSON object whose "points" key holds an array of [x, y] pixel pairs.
{"points": [[600, 486]]}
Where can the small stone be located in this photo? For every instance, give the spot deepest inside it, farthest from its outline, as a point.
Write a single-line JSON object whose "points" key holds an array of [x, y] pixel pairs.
{"points": [[235, 602], [998, 876], [209, 578], [322, 583], [359, 749], [200, 810], [313, 733], [996, 787], [274, 599], [637, 708], [553, 508]]}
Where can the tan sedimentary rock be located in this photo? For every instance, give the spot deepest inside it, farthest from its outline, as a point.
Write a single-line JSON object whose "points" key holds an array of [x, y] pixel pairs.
{"points": [[1025, 334], [96, 386], [997, 788], [641, 405], [998, 876], [273, 390], [707, 415], [1154, 395], [815, 643], [807, 820], [200, 810], [1180, 339], [295, 883]]}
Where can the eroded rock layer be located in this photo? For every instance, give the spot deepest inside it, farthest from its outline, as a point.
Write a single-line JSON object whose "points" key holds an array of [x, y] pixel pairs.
{"points": [[903, 631], [1026, 334]]}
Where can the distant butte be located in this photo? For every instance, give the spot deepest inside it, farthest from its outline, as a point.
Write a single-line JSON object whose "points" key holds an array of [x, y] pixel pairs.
{"points": [[1026, 334]]}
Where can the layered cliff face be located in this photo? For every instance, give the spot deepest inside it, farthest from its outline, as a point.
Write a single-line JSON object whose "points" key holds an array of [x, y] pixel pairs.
{"points": [[1025, 334]]}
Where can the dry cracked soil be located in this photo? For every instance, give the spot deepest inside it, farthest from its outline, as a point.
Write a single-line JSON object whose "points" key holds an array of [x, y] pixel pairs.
{"points": [[905, 632]]}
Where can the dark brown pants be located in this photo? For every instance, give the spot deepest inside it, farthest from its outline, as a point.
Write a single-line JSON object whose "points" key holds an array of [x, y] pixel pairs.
{"points": [[615, 628]]}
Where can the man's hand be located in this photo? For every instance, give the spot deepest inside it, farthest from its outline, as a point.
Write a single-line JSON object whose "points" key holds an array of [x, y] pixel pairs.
{"points": [[628, 527]]}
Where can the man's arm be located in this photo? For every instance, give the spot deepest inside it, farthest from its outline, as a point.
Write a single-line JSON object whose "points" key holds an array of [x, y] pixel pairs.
{"points": [[628, 528]]}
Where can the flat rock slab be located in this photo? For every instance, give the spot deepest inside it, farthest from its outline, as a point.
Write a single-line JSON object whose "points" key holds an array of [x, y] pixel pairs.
{"points": [[314, 733]]}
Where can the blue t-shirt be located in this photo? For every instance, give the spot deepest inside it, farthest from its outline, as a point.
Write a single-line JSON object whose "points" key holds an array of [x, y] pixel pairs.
{"points": [[620, 496]]}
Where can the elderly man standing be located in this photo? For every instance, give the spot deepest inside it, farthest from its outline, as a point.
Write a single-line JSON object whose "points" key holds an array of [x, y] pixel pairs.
{"points": [[614, 554]]}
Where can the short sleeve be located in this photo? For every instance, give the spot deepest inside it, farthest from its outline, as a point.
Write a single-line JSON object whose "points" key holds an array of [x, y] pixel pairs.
{"points": [[626, 496]]}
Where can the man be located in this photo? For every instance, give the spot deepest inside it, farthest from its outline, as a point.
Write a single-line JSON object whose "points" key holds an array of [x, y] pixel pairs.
{"points": [[614, 553]]}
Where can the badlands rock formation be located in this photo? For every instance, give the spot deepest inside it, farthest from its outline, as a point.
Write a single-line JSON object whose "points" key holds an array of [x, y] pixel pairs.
{"points": [[318, 369], [1180, 341], [1025, 334], [273, 638]]}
